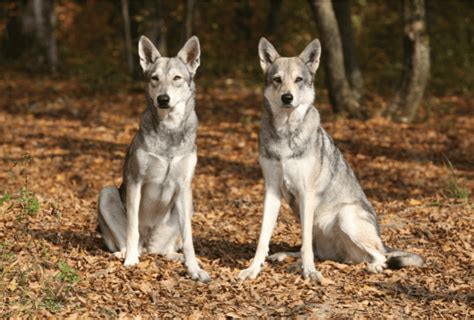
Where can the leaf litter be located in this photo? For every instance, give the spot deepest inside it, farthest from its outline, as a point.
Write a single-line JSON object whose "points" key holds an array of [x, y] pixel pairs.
{"points": [[52, 263]]}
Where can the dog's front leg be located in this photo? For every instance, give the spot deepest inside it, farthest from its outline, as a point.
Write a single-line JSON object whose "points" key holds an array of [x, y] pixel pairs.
{"points": [[271, 207], [184, 206], [133, 233], [307, 210]]}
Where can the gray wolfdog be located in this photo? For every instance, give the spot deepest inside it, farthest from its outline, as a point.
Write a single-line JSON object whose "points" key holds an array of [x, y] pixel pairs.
{"points": [[301, 164], [152, 209]]}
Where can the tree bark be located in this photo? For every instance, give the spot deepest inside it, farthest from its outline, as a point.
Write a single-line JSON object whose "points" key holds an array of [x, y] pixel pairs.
{"points": [[128, 37], [416, 69], [342, 9], [341, 95]]}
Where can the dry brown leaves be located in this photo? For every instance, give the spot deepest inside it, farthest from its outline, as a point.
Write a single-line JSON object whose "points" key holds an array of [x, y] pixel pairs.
{"points": [[53, 264]]}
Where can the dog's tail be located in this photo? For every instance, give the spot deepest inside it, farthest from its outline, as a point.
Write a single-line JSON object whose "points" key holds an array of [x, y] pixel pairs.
{"points": [[397, 259]]}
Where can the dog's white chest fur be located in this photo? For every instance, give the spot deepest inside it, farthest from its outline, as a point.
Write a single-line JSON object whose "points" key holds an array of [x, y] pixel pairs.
{"points": [[163, 177]]}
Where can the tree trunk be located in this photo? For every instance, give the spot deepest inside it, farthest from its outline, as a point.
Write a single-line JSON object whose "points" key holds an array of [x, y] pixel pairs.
{"points": [[189, 18], [243, 19], [340, 93], [154, 26], [162, 30], [344, 18], [416, 68], [275, 6], [128, 37], [32, 36]]}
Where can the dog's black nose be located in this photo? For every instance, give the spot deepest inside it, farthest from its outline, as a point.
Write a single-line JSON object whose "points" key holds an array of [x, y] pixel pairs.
{"points": [[163, 100], [287, 98]]}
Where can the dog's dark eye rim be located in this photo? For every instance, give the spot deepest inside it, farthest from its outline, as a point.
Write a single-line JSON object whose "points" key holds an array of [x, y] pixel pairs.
{"points": [[298, 79], [277, 79], [155, 78], [177, 77]]}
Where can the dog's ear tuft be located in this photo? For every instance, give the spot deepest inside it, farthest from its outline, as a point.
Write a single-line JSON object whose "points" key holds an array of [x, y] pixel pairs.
{"points": [[147, 52], [267, 53], [311, 55], [191, 53]]}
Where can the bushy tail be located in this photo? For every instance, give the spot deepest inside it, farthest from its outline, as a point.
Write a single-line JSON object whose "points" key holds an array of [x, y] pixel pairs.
{"points": [[397, 259]]}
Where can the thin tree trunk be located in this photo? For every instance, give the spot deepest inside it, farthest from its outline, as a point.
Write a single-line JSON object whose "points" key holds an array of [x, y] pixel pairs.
{"points": [[162, 31], [38, 24], [128, 37], [340, 93], [189, 18], [275, 6], [416, 69], [154, 26], [342, 9]]}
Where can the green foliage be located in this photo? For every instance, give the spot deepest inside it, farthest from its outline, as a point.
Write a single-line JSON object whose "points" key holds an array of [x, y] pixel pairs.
{"points": [[28, 202], [67, 273], [456, 188], [52, 300], [5, 197]]}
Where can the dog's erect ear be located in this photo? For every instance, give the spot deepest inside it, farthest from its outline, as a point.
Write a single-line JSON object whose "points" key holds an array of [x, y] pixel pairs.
{"points": [[190, 53], [147, 52], [267, 53], [311, 55]]}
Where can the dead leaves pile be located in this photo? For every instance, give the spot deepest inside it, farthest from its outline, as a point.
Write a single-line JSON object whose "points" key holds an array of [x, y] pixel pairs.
{"points": [[53, 264]]}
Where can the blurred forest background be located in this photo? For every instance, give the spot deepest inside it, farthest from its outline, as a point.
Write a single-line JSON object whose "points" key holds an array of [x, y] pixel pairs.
{"points": [[96, 40]]}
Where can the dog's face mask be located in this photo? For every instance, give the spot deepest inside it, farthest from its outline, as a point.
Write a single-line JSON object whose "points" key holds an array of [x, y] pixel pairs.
{"points": [[169, 79], [289, 81]]}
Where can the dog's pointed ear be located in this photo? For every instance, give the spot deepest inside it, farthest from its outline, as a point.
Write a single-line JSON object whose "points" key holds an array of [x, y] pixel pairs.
{"points": [[311, 55], [267, 53], [190, 54], [147, 52]]}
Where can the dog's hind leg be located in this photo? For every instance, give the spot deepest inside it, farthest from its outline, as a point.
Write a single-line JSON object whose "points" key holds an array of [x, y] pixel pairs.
{"points": [[112, 220], [360, 237]]}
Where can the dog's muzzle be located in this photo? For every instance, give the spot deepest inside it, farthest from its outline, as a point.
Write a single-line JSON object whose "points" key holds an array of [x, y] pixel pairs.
{"points": [[287, 98], [163, 101]]}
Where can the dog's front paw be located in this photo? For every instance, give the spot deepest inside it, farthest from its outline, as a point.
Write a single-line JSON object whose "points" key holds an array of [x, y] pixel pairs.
{"points": [[249, 273], [130, 260], [200, 275], [313, 275]]}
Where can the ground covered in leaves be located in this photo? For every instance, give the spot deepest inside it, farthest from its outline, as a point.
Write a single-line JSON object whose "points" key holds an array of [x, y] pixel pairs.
{"points": [[60, 143]]}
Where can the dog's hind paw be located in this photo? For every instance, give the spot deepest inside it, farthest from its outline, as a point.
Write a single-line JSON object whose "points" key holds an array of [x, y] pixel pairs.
{"points": [[280, 256], [119, 254], [376, 267], [175, 256], [200, 275]]}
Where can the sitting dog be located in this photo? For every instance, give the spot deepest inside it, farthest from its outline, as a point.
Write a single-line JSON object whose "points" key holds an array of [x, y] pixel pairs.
{"points": [[152, 209], [301, 163]]}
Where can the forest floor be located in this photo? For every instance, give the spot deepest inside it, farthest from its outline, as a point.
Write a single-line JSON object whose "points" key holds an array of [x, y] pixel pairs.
{"points": [[61, 143]]}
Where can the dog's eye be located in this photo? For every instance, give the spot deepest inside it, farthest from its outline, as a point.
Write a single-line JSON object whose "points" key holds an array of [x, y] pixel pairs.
{"points": [[155, 78], [176, 78], [298, 79], [277, 80]]}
